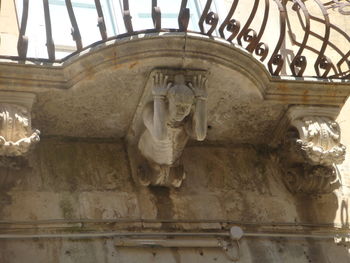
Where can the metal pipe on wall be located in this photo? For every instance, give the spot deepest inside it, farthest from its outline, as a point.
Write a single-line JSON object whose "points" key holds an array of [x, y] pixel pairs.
{"points": [[139, 237]]}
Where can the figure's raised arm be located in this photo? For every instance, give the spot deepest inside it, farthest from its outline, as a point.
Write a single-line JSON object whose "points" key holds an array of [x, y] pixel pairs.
{"points": [[159, 91], [199, 122]]}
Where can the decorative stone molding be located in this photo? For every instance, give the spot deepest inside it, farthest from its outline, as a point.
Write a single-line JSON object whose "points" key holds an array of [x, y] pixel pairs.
{"points": [[16, 134], [310, 149], [320, 140], [175, 111]]}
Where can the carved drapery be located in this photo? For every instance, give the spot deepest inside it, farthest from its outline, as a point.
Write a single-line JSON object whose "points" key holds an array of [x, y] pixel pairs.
{"points": [[310, 150]]}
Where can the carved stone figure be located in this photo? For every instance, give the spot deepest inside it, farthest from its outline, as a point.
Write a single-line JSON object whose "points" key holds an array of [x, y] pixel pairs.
{"points": [[311, 150], [177, 112], [16, 134]]}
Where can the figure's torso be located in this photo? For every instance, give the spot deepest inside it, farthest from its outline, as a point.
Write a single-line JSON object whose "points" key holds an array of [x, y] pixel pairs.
{"points": [[166, 151]]}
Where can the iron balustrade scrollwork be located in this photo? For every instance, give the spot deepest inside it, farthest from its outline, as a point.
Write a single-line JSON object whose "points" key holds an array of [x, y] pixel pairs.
{"points": [[264, 29], [277, 59], [231, 25], [299, 62], [210, 18], [261, 49]]}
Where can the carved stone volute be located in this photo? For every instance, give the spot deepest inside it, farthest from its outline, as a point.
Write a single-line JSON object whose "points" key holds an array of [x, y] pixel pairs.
{"points": [[16, 134], [320, 140], [310, 149]]}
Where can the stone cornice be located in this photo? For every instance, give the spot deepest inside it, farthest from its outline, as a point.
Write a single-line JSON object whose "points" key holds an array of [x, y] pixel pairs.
{"points": [[183, 49]]}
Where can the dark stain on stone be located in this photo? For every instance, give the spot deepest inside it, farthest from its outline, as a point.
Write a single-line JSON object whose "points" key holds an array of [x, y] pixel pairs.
{"points": [[344, 214], [310, 211], [164, 204], [315, 252], [305, 208], [133, 65], [176, 254], [261, 178], [66, 208], [13, 163], [259, 252], [41, 245], [9, 178]]}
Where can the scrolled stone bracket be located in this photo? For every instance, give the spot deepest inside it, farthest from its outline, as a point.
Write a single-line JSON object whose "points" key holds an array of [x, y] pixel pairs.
{"points": [[16, 134], [309, 149]]}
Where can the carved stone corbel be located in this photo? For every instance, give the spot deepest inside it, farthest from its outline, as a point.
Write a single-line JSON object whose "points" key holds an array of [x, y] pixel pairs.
{"points": [[310, 149], [173, 109], [16, 134]]}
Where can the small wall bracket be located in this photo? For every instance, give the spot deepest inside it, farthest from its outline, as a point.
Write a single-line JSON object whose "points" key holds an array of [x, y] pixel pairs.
{"points": [[310, 147], [16, 134]]}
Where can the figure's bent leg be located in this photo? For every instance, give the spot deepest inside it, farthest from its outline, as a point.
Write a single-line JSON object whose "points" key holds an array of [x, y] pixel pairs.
{"points": [[177, 175], [144, 174], [151, 173]]}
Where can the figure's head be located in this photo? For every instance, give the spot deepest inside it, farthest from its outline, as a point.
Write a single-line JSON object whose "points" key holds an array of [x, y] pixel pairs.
{"points": [[180, 99]]}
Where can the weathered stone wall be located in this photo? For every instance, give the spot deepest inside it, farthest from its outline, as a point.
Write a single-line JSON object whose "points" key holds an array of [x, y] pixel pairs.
{"points": [[67, 179], [344, 122]]}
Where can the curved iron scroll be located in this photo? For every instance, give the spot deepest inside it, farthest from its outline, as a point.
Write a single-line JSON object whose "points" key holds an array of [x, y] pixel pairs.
{"points": [[231, 25], [276, 61], [210, 18], [246, 33], [344, 57], [261, 48], [254, 36], [299, 62], [323, 62]]}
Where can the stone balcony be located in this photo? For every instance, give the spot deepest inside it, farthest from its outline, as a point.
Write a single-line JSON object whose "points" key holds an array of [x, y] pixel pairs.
{"points": [[96, 93], [270, 161]]}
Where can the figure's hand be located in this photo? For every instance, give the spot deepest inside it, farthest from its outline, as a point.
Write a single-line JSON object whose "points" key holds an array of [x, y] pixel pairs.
{"points": [[160, 85], [199, 86]]}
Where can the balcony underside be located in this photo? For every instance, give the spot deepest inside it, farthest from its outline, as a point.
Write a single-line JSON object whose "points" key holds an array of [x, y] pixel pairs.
{"points": [[96, 93]]}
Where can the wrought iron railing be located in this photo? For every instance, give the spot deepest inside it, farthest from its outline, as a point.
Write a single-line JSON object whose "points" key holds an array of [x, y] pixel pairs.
{"points": [[330, 60]]}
